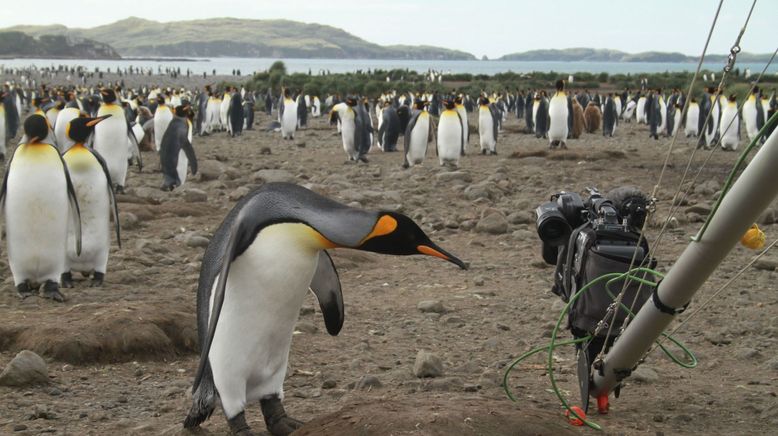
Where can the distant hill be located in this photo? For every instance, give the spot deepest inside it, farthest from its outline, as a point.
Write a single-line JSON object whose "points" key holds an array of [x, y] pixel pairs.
{"points": [[234, 37], [606, 55], [21, 45]]}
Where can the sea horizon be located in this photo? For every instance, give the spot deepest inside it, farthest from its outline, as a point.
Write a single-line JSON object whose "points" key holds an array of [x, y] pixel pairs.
{"points": [[247, 66]]}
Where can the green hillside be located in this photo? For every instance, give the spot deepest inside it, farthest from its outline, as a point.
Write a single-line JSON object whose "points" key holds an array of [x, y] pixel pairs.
{"points": [[240, 38], [605, 55], [21, 45]]}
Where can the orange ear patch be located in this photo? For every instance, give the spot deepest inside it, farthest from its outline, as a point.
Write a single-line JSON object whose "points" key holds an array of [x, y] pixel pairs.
{"points": [[384, 226]]}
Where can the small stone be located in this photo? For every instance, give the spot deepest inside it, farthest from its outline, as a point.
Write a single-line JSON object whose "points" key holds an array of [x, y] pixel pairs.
{"points": [[238, 193], [128, 220], [434, 306], [269, 176], [766, 264], [306, 327], [197, 241], [427, 365], [300, 144], [376, 172], [368, 382], [306, 310], [265, 151], [520, 218], [453, 175], [55, 392], [700, 208], [27, 368], [328, 384], [454, 321], [478, 281], [772, 364], [644, 375], [193, 195], [748, 353], [494, 223], [19, 427]]}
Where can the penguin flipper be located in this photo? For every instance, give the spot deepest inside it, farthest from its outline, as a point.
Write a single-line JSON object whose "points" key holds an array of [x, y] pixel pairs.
{"points": [[135, 148], [4, 188], [326, 287], [218, 298], [190, 155], [115, 206], [73, 202]]}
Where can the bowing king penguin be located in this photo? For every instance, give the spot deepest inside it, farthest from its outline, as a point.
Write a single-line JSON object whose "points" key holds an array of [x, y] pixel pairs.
{"points": [[265, 256], [94, 191], [37, 196]]}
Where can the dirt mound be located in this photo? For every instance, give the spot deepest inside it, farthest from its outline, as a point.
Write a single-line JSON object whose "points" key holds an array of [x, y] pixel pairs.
{"points": [[98, 333], [472, 417], [560, 155]]}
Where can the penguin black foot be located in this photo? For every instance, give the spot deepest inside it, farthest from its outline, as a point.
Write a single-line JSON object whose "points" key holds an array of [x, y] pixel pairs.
{"points": [[563, 146], [25, 290], [119, 189], [278, 423], [97, 280], [363, 159], [238, 425], [166, 187], [406, 165], [484, 151], [66, 280], [51, 291]]}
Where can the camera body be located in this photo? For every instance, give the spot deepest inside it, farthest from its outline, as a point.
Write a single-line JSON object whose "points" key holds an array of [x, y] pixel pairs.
{"points": [[623, 210]]}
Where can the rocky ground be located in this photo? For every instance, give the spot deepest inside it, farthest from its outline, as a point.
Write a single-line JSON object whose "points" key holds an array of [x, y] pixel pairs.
{"points": [[121, 358]]}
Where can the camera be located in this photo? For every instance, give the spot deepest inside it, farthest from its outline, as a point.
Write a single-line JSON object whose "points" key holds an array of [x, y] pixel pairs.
{"points": [[623, 209]]}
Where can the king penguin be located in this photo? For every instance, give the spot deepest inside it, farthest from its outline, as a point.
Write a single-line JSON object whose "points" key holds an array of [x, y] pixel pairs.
{"points": [[36, 197], [610, 116], [417, 135], [578, 119], [753, 114], [460, 107], [110, 139], [558, 114], [263, 259], [729, 127], [344, 116], [94, 190], [692, 119], [288, 114], [61, 126], [176, 152], [162, 118], [487, 126], [451, 138]]}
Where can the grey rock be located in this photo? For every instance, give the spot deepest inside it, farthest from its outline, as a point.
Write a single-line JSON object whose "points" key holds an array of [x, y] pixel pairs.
{"points": [[494, 223], [368, 382], [644, 375], [769, 216], [270, 176], [433, 306], [478, 280], [329, 384], [748, 353], [521, 218], [454, 321], [694, 218], [193, 195], [197, 241], [700, 208], [766, 264], [427, 365], [26, 369], [128, 221], [306, 327], [447, 384], [453, 175], [19, 427], [238, 193]]}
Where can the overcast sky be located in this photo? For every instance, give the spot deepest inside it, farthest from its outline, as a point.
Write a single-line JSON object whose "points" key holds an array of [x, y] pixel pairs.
{"points": [[491, 27]]}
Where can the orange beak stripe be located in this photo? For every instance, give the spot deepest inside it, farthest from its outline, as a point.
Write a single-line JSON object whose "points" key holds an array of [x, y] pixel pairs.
{"points": [[423, 249], [384, 226], [93, 122]]}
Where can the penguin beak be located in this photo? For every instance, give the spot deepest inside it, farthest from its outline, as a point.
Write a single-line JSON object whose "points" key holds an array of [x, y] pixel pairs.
{"points": [[430, 249], [97, 120]]}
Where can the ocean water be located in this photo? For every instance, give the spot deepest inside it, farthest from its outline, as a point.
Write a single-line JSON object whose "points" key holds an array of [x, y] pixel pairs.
{"points": [[249, 65]]}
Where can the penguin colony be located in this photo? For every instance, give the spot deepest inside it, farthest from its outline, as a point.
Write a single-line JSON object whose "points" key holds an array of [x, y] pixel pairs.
{"points": [[78, 144]]}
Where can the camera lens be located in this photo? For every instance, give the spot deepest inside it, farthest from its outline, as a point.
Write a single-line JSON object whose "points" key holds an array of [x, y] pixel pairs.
{"points": [[553, 228]]}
